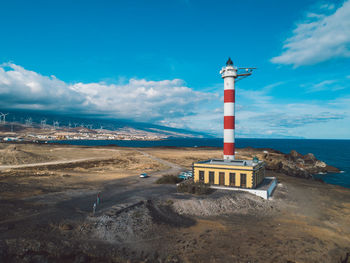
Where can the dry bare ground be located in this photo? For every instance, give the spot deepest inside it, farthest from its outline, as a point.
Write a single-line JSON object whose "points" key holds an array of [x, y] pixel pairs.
{"points": [[47, 211]]}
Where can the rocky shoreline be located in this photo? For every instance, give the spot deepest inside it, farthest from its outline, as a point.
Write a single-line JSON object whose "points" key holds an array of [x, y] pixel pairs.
{"points": [[295, 164]]}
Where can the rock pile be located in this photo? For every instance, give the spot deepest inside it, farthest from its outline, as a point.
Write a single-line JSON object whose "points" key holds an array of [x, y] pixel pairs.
{"points": [[224, 203]]}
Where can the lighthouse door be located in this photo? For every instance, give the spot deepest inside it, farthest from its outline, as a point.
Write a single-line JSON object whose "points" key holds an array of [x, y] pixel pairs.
{"points": [[243, 180], [221, 178]]}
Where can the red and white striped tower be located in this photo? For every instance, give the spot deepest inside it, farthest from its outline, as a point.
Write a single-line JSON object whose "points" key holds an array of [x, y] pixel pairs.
{"points": [[229, 73]]}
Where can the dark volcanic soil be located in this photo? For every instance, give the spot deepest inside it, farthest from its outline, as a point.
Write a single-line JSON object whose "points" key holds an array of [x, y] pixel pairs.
{"points": [[47, 217]]}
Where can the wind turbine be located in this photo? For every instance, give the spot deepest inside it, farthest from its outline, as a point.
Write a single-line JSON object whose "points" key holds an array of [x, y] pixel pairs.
{"points": [[4, 117], [43, 123], [56, 125], [13, 121], [101, 129], [29, 122]]}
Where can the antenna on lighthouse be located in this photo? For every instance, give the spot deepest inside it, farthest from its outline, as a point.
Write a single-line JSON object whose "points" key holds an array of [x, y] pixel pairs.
{"points": [[243, 73]]}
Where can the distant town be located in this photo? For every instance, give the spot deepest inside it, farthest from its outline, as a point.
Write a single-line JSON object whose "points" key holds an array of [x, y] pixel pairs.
{"points": [[34, 132]]}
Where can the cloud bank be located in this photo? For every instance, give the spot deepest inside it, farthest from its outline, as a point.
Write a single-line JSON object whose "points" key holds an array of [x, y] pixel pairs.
{"points": [[320, 37], [171, 103], [138, 99], [262, 115]]}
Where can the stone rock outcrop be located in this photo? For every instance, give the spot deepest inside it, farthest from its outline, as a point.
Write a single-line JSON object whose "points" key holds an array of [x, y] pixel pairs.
{"points": [[296, 164]]}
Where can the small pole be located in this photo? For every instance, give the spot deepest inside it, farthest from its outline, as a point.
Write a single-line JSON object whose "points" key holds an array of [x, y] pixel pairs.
{"points": [[94, 209], [98, 199]]}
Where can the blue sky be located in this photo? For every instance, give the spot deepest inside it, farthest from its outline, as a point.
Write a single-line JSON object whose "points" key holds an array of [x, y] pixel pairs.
{"points": [[159, 62]]}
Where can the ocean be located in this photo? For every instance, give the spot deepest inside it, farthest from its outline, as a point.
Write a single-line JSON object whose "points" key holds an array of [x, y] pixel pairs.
{"points": [[333, 152]]}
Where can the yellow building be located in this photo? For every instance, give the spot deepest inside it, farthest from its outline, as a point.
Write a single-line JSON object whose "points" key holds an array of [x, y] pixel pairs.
{"points": [[231, 173]]}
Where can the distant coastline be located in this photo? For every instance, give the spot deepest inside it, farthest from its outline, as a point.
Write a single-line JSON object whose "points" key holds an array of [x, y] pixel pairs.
{"points": [[334, 152]]}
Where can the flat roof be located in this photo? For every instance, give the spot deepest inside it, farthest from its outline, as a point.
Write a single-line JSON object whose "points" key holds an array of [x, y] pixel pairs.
{"points": [[231, 162]]}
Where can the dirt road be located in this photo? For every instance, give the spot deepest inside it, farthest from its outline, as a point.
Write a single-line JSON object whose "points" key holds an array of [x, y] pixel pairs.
{"points": [[5, 167], [69, 204]]}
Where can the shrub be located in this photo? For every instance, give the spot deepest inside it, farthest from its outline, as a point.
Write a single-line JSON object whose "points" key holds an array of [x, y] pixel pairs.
{"points": [[168, 179], [193, 188]]}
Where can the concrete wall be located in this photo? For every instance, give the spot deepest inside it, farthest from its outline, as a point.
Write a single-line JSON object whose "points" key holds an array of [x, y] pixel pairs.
{"points": [[266, 193], [272, 186]]}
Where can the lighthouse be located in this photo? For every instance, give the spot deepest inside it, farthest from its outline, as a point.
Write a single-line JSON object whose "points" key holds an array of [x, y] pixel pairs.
{"points": [[229, 73], [230, 173]]}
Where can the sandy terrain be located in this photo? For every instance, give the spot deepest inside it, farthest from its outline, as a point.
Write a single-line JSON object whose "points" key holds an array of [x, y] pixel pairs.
{"points": [[47, 211]]}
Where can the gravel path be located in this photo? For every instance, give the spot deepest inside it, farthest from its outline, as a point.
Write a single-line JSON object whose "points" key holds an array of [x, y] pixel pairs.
{"points": [[4, 167]]}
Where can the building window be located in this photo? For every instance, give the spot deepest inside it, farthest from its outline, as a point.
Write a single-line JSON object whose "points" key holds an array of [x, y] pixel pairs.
{"points": [[211, 177], [232, 179], [221, 178], [243, 180], [201, 176]]}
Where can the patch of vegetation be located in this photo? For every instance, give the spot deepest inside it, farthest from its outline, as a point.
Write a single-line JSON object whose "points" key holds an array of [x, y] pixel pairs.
{"points": [[169, 202], [194, 188], [137, 214], [169, 179]]}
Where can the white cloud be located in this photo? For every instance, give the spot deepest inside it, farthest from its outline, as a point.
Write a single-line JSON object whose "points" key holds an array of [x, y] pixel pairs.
{"points": [[139, 99], [260, 115], [320, 38], [323, 85], [24, 89], [172, 103], [264, 116], [273, 85], [329, 85], [327, 6]]}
